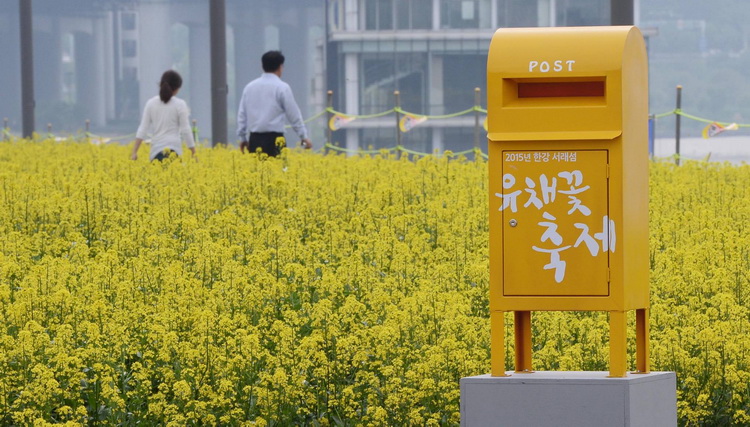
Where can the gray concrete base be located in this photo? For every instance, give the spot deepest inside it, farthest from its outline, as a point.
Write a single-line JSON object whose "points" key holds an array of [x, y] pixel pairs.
{"points": [[577, 399]]}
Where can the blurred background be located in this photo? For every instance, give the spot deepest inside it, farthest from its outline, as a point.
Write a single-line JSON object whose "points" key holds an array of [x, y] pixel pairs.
{"points": [[100, 60]]}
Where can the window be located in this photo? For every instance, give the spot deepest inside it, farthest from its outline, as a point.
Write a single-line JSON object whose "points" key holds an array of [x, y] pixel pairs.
{"points": [[128, 21], [461, 74], [465, 14], [582, 12], [378, 84], [384, 74], [379, 14], [414, 14], [517, 13], [129, 49], [398, 14]]}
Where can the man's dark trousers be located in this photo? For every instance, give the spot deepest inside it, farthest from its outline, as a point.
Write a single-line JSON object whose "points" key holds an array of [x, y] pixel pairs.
{"points": [[270, 143]]}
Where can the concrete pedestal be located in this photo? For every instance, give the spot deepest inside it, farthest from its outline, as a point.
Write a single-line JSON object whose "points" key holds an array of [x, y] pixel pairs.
{"points": [[578, 399]]}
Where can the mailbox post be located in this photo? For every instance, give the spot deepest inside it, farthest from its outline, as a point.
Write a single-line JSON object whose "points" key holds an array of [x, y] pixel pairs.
{"points": [[568, 173]]}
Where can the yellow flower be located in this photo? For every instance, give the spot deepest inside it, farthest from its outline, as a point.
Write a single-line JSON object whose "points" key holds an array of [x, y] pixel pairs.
{"points": [[319, 289]]}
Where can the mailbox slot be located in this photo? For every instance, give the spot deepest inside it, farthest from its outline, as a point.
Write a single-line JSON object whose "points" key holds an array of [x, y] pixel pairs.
{"points": [[560, 89], [555, 93]]}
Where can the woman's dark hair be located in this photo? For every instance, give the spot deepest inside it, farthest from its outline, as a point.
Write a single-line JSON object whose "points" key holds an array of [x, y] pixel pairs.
{"points": [[170, 82]]}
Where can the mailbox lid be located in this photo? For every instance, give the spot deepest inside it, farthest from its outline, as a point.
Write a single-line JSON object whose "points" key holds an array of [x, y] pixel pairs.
{"points": [[570, 52], [577, 73], [557, 235]]}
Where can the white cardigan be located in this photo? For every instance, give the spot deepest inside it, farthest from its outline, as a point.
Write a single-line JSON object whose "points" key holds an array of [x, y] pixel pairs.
{"points": [[168, 125]]}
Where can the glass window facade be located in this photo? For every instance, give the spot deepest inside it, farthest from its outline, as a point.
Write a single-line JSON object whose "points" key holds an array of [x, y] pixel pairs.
{"points": [[382, 74], [465, 14], [397, 14], [571, 13], [517, 13], [461, 75], [436, 72], [378, 14]]}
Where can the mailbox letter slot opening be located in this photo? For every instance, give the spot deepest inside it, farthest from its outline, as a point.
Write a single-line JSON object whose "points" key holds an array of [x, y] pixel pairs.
{"points": [[581, 91], [560, 89]]}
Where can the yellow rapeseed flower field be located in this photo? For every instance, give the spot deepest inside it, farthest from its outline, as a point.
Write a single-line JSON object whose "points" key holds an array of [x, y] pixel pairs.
{"points": [[318, 289]]}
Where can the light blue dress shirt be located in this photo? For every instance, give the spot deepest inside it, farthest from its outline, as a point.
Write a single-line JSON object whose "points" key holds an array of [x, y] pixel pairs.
{"points": [[266, 102]]}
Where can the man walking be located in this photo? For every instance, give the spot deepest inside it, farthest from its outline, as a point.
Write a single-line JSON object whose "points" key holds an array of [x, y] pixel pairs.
{"points": [[266, 102]]}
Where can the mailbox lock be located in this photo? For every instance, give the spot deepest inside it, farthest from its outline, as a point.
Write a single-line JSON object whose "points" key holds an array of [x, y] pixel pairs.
{"points": [[513, 223]]}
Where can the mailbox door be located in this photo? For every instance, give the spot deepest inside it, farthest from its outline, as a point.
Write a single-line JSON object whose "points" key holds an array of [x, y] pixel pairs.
{"points": [[557, 235]]}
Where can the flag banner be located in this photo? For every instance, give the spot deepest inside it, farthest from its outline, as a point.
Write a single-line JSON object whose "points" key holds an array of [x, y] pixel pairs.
{"points": [[338, 121], [408, 122], [99, 140], [714, 129]]}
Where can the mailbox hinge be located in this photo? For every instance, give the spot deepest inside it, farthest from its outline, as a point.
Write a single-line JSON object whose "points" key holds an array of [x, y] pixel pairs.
{"points": [[607, 170], [609, 275]]}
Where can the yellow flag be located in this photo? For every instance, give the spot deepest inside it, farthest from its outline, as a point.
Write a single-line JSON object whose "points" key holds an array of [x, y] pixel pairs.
{"points": [[714, 129], [338, 121], [408, 122]]}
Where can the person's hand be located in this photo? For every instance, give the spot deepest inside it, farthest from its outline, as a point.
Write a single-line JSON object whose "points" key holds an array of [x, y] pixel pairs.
{"points": [[243, 146], [134, 151], [306, 143]]}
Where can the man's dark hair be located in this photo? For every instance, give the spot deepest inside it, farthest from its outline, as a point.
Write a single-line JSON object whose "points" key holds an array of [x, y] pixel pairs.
{"points": [[272, 60]]}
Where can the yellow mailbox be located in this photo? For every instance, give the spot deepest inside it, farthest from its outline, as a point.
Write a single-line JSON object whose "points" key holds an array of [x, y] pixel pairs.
{"points": [[568, 172]]}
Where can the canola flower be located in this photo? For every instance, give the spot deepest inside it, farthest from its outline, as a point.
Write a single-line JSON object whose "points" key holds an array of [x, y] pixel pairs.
{"points": [[317, 289]]}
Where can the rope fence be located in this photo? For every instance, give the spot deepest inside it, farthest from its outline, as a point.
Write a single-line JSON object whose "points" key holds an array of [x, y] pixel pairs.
{"points": [[681, 113], [405, 121], [402, 149]]}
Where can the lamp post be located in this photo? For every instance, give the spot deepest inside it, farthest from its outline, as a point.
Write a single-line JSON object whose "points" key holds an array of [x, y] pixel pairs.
{"points": [[622, 12], [219, 88], [27, 68]]}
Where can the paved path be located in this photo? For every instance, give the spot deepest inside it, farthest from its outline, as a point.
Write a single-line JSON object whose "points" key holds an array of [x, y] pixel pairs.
{"points": [[735, 149]]}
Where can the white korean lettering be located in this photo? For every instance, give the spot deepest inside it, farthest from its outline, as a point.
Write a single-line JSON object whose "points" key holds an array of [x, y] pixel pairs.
{"points": [[608, 237], [578, 206], [541, 156], [574, 180], [548, 189], [533, 199], [586, 238], [509, 200], [555, 262], [551, 232]]}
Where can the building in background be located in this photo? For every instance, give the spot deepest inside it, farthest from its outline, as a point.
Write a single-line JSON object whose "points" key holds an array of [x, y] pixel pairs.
{"points": [[434, 53], [100, 60]]}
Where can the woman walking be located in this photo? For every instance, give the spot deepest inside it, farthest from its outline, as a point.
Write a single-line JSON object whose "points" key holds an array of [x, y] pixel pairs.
{"points": [[166, 118]]}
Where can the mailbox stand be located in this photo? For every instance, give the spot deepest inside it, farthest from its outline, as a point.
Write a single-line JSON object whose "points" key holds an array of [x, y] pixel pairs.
{"points": [[568, 171]]}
